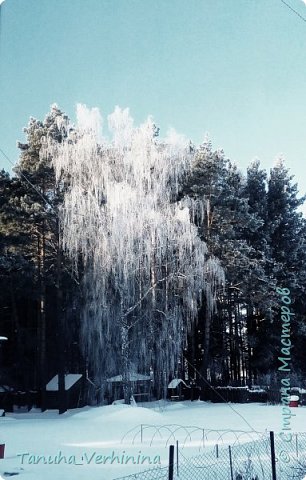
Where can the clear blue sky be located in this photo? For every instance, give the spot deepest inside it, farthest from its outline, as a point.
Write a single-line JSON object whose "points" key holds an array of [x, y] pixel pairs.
{"points": [[233, 68]]}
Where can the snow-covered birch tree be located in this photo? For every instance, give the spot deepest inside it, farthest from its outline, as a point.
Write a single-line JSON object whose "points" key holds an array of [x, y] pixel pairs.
{"points": [[145, 267]]}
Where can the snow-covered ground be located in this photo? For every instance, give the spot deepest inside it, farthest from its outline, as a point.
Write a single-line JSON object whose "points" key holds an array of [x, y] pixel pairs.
{"points": [[86, 436]]}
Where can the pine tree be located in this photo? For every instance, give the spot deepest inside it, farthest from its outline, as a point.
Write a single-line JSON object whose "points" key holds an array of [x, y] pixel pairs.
{"points": [[17, 274], [260, 292], [285, 226], [225, 220], [39, 203], [286, 229]]}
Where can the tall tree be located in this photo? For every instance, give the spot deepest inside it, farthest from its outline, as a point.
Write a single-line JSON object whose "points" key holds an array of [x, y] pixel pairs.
{"points": [[229, 222], [16, 281], [39, 202], [286, 229], [146, 267]]}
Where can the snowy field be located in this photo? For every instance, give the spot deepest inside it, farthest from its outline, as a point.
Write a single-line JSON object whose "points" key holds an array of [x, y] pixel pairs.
{"points": [[86, 437]]}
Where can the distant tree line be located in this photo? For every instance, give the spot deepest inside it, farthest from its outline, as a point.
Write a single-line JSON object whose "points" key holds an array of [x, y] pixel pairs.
{"points": [[251, 223], [254, 226]]}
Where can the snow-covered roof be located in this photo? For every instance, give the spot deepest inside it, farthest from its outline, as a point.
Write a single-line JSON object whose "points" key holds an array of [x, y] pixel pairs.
{"points": [[175, 382], [300, 390], [70, 380], [134, 377]]}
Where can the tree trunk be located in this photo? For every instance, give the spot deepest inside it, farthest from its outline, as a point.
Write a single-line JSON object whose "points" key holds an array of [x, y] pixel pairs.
{"points": [[208, 315], [42, 317], [60, 331], [125, 363]]}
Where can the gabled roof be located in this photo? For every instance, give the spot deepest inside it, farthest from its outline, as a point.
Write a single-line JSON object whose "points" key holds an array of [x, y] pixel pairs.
{"points": [[133, 377], [175, 383], [70, 380]]}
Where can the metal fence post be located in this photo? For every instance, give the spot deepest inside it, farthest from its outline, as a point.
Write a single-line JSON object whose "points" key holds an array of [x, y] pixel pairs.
{"points": [[177, 459], [231, 462], [273, 463], [171, 462]]}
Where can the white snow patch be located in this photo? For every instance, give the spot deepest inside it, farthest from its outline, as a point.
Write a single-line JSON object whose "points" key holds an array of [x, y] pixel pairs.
{"points": [[176, 382], [70, 380], [133, 377], [294, 398], [112, 429], [5, 388]]}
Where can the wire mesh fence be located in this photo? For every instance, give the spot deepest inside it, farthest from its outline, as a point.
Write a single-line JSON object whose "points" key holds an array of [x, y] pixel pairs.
{"points": [[152, 474], [290, 451], [250, 461], [271, 457]]}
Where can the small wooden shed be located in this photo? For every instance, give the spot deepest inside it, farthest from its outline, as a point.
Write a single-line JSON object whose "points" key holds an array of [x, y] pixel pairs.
{"points": [[176, 389], [73, 387]]}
